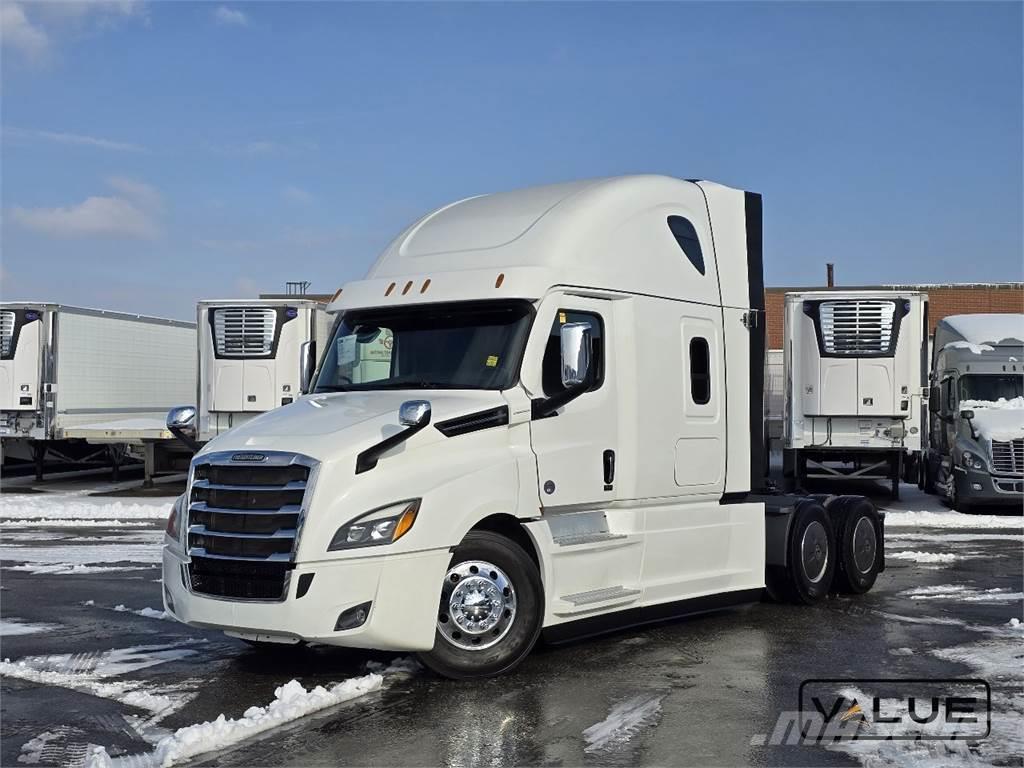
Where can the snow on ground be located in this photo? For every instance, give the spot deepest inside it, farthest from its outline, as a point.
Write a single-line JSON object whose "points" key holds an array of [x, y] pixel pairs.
{"points": [[291, 702], [952, 537], [149, 613], [923, 557], [44, 522], [85, 554], [70, 569], [949, 519], [963, 593], [92, 672], [80, 507], [623, 721], [11, 627]]}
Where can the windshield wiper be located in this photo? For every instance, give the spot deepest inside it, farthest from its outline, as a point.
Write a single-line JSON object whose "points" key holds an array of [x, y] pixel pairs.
{"points": [[331, 388]]}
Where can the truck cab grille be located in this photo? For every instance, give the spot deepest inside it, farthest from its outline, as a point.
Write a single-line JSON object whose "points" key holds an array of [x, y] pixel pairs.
{"points": [[1008, 456], [243, 523], [244, 331], [857, 327]]}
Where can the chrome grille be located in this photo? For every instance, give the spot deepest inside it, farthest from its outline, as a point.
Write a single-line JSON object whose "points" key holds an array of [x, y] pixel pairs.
{"points": [[6, 333], [244, 331], [857, 327], [1008, 456], [244, 519]]}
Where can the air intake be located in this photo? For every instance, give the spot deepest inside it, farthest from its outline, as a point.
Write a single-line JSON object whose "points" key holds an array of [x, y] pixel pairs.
{"points": [[857, 327], [6, 333], [244, 331]]}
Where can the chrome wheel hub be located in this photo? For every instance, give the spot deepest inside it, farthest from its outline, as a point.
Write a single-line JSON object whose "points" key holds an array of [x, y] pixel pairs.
{"points": [[814, 551], [478, 605], [864, 544]]}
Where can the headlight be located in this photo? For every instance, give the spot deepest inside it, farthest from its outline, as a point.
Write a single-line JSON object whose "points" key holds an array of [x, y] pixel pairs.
{"points": [[973, 461], [384, 525], [174, 520]]}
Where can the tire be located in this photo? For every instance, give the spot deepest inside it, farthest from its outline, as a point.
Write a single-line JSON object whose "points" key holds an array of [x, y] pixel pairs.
{"points": [[858, 552], [500, 639], [956, 502], [810, 557], [928, 473]]}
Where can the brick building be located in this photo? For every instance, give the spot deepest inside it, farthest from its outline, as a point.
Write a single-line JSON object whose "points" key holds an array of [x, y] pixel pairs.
{"points": [[943, 300]]}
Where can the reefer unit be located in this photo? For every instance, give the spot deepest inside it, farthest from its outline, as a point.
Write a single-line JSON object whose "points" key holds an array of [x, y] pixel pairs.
{"points": [[855, 377], [250, 355], [69, 373]]}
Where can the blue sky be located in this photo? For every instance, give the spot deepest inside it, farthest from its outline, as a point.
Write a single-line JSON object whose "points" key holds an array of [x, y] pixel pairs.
{"points": [[155, 154]]}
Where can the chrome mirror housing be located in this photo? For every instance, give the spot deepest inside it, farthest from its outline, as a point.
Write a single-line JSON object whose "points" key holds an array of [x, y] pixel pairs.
{"points": [[576, 346], [414, 413], [307, 365], [182, 418]]}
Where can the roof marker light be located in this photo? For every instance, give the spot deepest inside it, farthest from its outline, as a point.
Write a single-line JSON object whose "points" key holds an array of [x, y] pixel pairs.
{"points": [[426, 284], [500, 280], [389, 290], [407, 287]]}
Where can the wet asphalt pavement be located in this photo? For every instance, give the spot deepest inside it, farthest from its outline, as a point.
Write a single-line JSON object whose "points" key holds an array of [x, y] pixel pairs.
{"points": [[692, 692]]}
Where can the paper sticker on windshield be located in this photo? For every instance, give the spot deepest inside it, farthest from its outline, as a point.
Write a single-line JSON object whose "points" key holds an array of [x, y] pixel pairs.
{"points": [[492, 361], [346, 350]]}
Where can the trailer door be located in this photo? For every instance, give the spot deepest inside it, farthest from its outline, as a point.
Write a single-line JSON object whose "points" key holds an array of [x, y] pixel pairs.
{"points": [[20, 359]]}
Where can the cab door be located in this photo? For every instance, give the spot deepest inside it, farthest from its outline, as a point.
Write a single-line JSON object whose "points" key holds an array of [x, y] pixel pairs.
{"points": [[576, 448]]}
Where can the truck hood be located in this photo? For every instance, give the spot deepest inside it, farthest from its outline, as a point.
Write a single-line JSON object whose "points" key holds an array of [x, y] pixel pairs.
{"points": [[999, 420], [365, 418]]}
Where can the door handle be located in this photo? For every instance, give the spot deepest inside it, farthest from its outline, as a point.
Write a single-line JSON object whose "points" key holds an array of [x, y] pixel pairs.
{"points": [[609, 469]]}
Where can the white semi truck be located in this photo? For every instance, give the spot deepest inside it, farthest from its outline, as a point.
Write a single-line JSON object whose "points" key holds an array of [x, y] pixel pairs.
{"points": [[250, 357], [856, 370], [75, 382], [566, 438], [975, 450]]}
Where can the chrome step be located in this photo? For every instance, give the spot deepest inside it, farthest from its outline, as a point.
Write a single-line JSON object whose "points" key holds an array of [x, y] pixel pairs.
{"points": [[601, 595], [588, 538]]}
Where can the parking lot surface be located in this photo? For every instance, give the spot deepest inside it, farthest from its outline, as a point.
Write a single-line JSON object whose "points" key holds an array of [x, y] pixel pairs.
{"points": [[94, 673]]}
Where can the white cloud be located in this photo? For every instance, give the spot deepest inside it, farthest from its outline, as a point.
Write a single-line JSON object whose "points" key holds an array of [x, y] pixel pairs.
{"points": [[230, 17], [294, 194], [63, 137], [32, 29], [132, 213], [21, 34]]}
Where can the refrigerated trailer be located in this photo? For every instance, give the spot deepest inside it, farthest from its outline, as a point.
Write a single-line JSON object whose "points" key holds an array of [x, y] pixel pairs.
{"points": [[565, 437], [855, 369], [76, 382], [250, 356]]}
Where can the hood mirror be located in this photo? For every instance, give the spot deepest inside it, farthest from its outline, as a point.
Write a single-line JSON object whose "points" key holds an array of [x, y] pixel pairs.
{"points": [[967, 414], [576, 346], [414, 413]]}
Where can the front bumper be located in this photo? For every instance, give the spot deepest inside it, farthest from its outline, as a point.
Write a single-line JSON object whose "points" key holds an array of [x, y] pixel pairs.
{"points": [[979, 487], [404, 591]]}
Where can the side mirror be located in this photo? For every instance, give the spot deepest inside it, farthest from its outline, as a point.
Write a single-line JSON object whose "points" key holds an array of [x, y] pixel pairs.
{"points": [[935, 400], [576, 346], [181, 422], [414, 413], [307, 364], [182, 417], [967, 414]]}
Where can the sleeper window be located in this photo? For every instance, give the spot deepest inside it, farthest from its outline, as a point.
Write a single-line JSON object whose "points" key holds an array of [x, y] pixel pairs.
{"points": [[686, 237], [551, 369], [700, 371]]}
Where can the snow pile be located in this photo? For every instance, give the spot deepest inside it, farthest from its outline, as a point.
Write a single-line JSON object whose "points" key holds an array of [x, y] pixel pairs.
{"points": [[46, 522], [923, 557], [9, 628], [988, 327], [78, 507], [949, 520], [291, 701], [1015, 625], [623, 721], [1002, 404], [963, 593], [65, 569], [997, 419], [149, 613]]}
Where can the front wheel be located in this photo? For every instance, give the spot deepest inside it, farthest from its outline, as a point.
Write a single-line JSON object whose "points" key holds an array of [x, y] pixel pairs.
{"points": [[491, 607]]}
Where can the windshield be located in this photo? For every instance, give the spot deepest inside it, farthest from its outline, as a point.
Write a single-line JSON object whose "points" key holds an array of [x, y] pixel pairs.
{"points": [[990, 387], [467, 345]]}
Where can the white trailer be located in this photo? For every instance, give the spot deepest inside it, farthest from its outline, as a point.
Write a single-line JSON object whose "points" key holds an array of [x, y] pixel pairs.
{"points": [[566, 437], [250, 357], [855, 368], [76, 381]]}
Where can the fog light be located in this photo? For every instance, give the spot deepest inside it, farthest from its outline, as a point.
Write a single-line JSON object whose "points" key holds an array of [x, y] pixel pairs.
{"points": [[353, 617], [976, 486]]}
